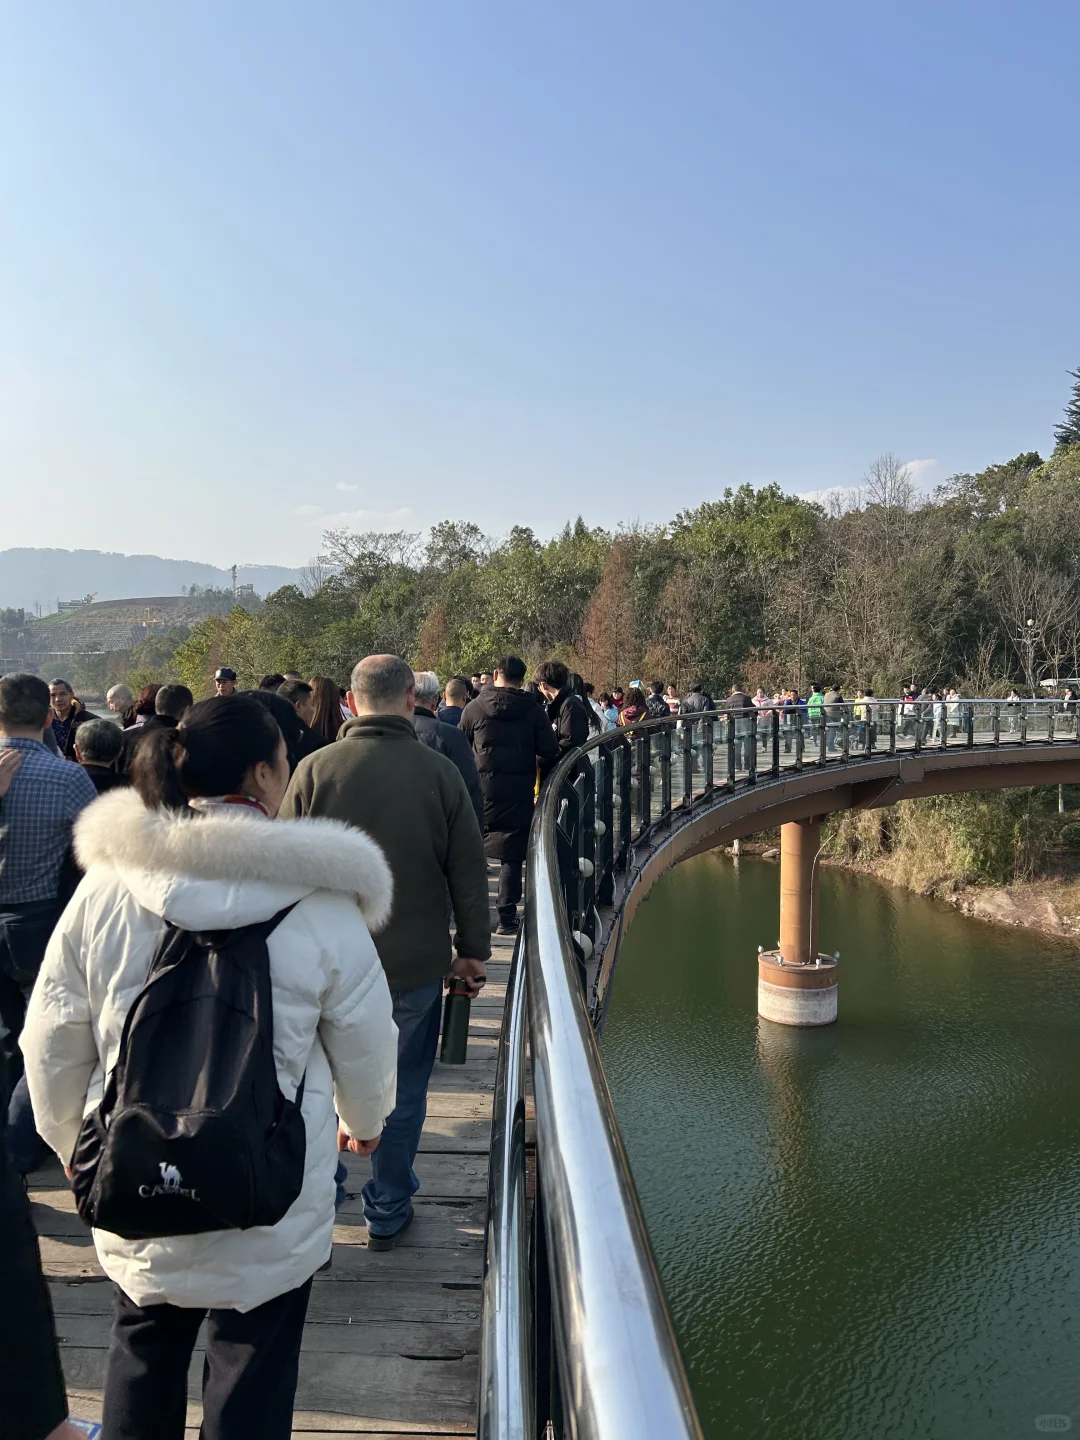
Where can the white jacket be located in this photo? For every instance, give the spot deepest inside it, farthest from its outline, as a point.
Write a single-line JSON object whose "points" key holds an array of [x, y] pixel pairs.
{"points": [[332, 1011]]}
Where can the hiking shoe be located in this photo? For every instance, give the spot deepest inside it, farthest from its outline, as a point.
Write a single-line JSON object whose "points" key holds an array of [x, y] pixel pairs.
{"points": [[387, 1242], [504, 929]]}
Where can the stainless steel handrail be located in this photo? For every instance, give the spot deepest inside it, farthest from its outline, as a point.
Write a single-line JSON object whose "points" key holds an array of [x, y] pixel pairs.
{"points": [[620, 1370], [507, 1392], [620, 1375]]}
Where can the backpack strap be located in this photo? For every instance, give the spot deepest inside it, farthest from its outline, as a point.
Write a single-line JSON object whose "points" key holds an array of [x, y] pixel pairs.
{"points": [[262, 930], [266, 928]]}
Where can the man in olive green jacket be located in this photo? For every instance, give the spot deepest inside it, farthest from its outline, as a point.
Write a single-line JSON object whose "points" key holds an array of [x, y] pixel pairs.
{"points": [[413, 802]]}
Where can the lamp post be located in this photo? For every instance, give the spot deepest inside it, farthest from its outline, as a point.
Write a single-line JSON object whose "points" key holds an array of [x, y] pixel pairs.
{"points": [[1028, 636]]}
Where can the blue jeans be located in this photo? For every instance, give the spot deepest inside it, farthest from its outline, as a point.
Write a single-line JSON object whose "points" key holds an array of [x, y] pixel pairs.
{"points": [[393, 1183]]}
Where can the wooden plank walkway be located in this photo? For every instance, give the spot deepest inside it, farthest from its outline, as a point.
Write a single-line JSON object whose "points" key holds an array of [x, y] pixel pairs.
{"points": [[391, 1342]]}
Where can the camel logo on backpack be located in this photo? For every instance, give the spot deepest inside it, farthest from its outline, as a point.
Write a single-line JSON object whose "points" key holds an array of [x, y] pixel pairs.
{"points": [[172, 1183], [194, 1082]]}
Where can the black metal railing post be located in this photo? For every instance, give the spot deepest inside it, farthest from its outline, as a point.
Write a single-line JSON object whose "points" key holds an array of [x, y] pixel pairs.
{"points": [[892, 728], [800, 737], [644, 781], [605, 816], [663, 745], [707, 757], [845, 735], [751, 763], [626, 814], [686, 736], [775, 744], [995, 723], [586, 897], [568, 838], [730, 737]]}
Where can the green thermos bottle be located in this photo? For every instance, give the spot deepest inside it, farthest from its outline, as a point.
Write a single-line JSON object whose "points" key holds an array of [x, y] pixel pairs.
{"points": [[455, 1024]]}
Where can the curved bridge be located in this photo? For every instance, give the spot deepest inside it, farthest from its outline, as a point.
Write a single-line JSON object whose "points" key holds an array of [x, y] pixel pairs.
{"points": [[576, 1338]]}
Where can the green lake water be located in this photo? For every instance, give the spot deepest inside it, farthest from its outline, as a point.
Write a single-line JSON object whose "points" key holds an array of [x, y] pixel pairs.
{"points": [[871, 1229]]}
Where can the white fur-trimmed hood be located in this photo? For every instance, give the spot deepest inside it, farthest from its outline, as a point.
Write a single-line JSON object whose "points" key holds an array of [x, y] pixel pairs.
{"points": [[231, 857]]}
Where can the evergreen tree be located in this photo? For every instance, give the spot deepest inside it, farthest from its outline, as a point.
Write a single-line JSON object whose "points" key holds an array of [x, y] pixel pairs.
{"points": [[1068, 432]]}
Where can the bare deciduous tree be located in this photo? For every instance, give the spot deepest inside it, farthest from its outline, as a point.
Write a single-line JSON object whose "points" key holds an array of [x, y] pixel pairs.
{"points": [[1039, 609]]}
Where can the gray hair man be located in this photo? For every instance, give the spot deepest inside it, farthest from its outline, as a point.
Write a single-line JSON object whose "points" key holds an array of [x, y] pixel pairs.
{"points": [[121, 702], [172, 702], [98, 746], [44, 797], [412, 800], [446, 739]]}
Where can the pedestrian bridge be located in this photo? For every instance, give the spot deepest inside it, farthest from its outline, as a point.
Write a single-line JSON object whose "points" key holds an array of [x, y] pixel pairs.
{"points": [[576, 1337], [527, 1279]]}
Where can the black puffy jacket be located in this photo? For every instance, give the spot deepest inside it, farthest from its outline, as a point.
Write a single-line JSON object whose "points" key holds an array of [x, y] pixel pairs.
{"points": [[510, 734]]}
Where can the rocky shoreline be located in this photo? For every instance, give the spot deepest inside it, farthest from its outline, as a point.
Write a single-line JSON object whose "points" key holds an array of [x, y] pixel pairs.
{"points": [[1050, 906]]}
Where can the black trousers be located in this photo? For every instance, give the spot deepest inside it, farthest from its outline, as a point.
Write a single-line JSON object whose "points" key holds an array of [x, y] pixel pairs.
{"points": [[24, 936], [506, 902], [32, 1398], [508, 847], [249, 1374]]}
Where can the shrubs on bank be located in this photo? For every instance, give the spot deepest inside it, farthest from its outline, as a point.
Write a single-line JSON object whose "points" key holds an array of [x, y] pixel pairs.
{"points": [[937, 844]]}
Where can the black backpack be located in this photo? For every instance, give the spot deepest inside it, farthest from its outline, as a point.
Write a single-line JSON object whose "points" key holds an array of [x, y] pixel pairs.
{"points": [[193, 1133]]}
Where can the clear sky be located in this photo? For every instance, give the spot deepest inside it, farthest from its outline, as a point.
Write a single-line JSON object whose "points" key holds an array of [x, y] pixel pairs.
{"points": [[270, 266]]}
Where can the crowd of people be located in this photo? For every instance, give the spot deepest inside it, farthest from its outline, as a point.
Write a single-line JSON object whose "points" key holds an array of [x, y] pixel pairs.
{"points": [[132, 842], [122, 840]]}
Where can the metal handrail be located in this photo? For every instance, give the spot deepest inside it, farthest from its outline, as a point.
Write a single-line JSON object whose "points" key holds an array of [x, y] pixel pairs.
{"points": [[620, 1369], [507, 1394], [584, 1284]]}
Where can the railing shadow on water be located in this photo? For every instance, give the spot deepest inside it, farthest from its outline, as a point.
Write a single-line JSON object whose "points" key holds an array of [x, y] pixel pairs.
{"points": [[576, 1337]]}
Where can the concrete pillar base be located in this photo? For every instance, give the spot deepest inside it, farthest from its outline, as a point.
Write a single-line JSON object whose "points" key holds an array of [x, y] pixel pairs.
{"points": [[796, 994]]}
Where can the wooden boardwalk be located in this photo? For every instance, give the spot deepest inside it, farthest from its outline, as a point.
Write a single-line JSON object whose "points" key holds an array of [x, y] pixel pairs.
{"points": [[391, 1343]]}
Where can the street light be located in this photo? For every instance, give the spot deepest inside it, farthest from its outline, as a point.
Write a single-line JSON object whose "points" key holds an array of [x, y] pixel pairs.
{"points": [[1028, 636]]}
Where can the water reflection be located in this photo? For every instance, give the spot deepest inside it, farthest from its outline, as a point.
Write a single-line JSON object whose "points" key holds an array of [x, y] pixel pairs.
{"points": [[870, 1229]]}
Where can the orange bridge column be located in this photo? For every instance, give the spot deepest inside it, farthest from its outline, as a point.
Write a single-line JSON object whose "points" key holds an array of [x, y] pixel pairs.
{"points": [[796, 985], [800, 842]]}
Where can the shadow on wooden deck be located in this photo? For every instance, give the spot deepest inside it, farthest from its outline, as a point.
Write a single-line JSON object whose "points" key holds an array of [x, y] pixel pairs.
{"points": [[391, 1342]]}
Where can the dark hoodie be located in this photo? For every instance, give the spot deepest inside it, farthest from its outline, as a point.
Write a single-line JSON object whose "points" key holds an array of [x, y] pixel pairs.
{"points": [[510, 735], [570, 721]]}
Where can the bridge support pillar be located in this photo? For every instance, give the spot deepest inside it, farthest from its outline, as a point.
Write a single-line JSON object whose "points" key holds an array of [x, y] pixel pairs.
{"points": [[800, 841], [796, 985]]}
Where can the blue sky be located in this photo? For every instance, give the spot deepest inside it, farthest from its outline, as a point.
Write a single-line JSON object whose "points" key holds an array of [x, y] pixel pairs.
{"points": [[266, 266]]}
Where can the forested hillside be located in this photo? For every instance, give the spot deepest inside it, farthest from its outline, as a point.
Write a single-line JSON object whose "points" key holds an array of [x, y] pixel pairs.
{"points": [[757, 586], [977, 585]]}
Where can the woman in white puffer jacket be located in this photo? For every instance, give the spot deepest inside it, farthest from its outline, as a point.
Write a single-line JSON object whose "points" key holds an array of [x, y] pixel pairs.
{"points": [[192, 844]]}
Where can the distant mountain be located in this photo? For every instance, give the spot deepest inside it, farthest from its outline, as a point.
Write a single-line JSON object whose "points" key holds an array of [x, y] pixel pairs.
{"points": [[30, 576]]}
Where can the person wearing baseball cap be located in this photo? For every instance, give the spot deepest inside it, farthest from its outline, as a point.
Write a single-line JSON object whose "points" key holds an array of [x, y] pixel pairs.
{"points": [[225, 681]]}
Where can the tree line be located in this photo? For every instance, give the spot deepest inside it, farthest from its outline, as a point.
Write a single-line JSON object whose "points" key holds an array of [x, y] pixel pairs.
{"points": [[977, 585]]}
